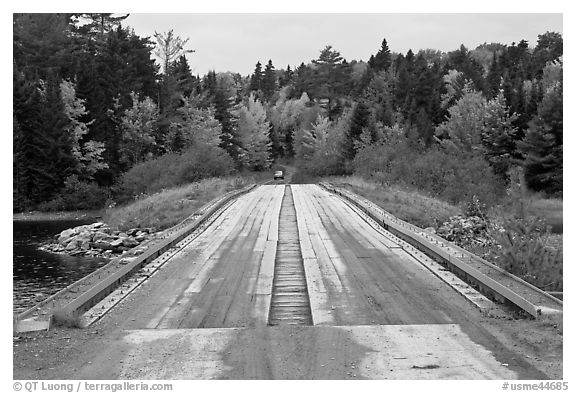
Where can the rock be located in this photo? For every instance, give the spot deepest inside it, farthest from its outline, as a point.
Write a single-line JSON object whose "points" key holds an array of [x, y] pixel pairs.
{"points": [[129, 242], [102, 245], [97, 225], [430, 229], [71, 246], [99, 235], [66, 235], [116, 243], [132, 232], [123, 234], [140, 238]]}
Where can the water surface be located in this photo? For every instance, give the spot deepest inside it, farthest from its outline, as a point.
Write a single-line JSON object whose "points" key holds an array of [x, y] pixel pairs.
{"points": [[38, 274]]}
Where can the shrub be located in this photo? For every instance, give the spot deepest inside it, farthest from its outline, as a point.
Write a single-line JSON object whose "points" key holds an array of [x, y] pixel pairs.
{"points": [[525, 253], [173, 169], [77, 195], [455, 178]]}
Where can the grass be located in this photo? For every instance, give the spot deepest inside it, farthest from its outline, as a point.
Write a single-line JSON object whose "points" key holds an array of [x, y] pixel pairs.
{"points": [[409, 206], [168, 207], [550, 210]]}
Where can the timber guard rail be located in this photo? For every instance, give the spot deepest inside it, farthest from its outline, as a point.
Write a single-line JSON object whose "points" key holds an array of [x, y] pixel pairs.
{"points": [[488, 278]]}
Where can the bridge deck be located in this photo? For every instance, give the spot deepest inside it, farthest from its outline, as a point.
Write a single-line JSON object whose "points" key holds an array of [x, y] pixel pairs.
{"points": [[377, 312]]}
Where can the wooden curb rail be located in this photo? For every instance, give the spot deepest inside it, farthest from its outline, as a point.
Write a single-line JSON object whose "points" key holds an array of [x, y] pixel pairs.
{"points": [[489, 278], [105, 286]]}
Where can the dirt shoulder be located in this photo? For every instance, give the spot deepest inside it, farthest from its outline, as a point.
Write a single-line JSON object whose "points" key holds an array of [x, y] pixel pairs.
{"points": [[62, 353]]}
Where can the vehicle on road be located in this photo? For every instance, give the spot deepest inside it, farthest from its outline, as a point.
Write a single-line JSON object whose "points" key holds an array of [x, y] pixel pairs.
{"points": [[278, 175]]}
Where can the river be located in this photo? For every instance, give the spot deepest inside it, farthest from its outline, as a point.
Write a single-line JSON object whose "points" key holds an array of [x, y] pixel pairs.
{"points": [[38, 274]]}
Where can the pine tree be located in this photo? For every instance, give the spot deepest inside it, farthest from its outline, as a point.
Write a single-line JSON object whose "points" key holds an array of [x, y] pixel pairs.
{"points": [[286, 78], [498, 136], [542, 146], [99, 24], [302, 81], [382, 60], [269, 81], [28, 139], [256, 78], [225, 114], [494, 77], [59, 161], [360, 122], [186, 83], [330, 78]]}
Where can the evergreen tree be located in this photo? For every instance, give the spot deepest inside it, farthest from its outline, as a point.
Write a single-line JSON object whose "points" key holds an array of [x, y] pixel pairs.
{"points": [[494, 77], [29, 141], [186, 83], [256, 79], [286, 78], [423, 109], [41, 44], [360, 122], [59, 160], [498, 136], [302, 81], [542, 146], [382, 60], [331, 78], [225, 113], [462, 61], [269, 81], [98, 25], [404, 81]]}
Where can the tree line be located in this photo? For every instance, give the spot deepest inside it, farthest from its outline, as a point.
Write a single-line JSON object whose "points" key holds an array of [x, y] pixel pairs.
{"points": [[93, 111]]}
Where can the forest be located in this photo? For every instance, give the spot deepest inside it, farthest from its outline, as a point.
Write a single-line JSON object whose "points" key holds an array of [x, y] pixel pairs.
{"points": [[97, 120]]}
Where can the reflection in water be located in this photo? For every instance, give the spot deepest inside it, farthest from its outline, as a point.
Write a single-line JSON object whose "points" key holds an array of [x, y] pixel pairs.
{"points": [[38, 274]]}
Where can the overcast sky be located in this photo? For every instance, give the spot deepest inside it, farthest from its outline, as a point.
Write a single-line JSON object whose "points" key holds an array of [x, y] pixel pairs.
{"points": [[235, 42]]}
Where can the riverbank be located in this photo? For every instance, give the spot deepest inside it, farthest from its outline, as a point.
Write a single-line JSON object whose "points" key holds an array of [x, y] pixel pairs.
{"points": [[58, 216]]}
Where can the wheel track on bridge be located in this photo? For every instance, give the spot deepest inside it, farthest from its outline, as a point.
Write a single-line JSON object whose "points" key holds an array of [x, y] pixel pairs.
{"points": [[290, 303]]}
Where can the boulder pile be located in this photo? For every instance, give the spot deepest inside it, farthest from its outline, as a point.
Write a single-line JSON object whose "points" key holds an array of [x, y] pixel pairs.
{"points": [[97, 240], [466, 231]]}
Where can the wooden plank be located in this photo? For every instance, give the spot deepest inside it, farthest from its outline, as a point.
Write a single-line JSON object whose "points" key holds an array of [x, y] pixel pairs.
{"points": [[266, 273]]}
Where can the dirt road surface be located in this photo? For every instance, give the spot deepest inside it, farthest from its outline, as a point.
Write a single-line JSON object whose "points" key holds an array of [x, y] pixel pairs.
{"points": [[376, 312]]}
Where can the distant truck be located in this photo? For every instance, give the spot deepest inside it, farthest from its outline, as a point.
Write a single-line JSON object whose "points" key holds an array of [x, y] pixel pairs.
{"points": [[278, 175]]}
